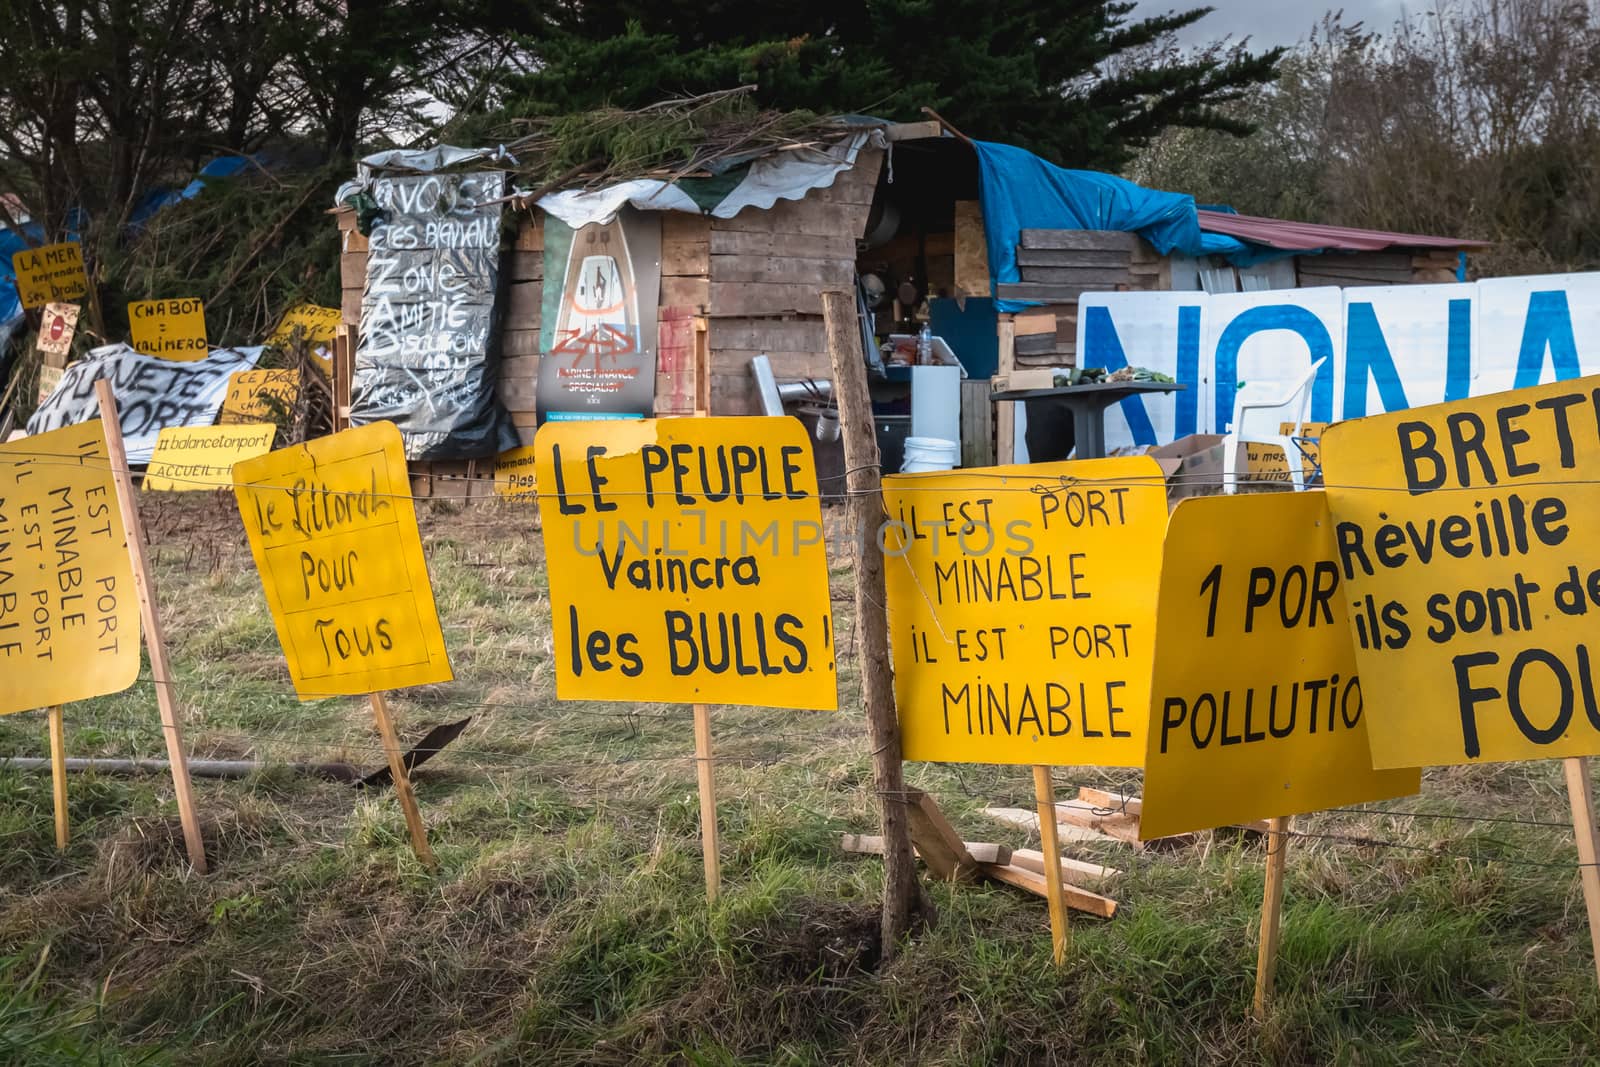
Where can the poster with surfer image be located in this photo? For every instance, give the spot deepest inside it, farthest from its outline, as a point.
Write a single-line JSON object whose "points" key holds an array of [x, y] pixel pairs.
{"points": [[599, 325]]}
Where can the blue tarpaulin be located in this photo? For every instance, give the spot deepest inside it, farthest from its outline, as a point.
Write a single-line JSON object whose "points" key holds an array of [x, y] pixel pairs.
{"points": [[1020, 192]]}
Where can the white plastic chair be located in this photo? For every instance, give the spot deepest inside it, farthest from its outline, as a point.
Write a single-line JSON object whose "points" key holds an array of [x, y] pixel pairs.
{"points": [[1258, 415]]}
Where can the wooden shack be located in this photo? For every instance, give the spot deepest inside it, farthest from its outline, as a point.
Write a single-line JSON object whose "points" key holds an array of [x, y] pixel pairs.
{"points": [[734, 288]]}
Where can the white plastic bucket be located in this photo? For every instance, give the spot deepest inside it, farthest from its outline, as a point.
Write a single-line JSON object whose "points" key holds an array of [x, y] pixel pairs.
{"points": [[930, 454]]}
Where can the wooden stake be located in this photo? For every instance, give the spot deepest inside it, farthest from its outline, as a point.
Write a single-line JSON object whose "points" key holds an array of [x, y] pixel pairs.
{"points": [[1581, 795], [902, 893], [402, 780], [155, 636], [1005, 415], [58, 773], [708, 801], [1271, 914], [1060, 932]]}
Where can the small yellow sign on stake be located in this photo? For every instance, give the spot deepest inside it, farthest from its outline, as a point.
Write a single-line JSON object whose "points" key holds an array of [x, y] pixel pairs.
{"points": [[1022, 603], [188, 458], [50, 273], [1256, 709], [259, 395], [686, 562], [170, 329], [317, 323], [334, 535], [69, 617], [1463, 534], [514, 474]]}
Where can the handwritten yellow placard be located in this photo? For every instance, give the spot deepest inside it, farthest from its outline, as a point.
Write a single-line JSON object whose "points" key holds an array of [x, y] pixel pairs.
{"points": [[317, 323], [170, 329], [202, 457], [335, 539], [255, 395], [1022, 604], [50, 273], [1465, 534], [514, 477], [69, 616], [1256, 708], [686, 562]]}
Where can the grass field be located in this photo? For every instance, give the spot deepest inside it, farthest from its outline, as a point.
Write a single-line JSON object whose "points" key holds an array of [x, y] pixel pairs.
{"points": [[567, 922]]}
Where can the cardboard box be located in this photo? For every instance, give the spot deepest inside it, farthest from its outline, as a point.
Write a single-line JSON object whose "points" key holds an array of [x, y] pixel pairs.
{"points": [[1193, 466]]}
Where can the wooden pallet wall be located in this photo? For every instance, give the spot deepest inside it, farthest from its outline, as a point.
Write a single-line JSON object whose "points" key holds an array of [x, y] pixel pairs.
{"points": [[1057, 267], [766, 274]]}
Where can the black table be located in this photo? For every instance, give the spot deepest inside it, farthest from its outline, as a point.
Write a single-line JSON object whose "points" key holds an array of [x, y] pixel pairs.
{"points": [[1086, 404]]}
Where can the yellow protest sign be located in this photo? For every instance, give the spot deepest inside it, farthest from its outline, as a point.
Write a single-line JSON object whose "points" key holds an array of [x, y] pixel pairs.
{"points": [[170, 329], [1022, 604], [686, 562], [1465, 536], [317, 323], [202, 457], [69, 616], [334, 535], [257, 395], [514, 474], [50, 273], [1256, 709]]}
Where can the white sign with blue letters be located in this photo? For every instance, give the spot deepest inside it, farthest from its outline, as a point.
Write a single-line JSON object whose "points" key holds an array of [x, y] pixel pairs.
{"points": [[1391, 347]]}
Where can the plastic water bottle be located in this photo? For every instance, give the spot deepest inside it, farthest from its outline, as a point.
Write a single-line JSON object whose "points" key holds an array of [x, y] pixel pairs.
{"points": [[925, 345]]}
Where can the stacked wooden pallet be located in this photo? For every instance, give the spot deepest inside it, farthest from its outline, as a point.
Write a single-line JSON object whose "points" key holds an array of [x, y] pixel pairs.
{"points": [[1375, 268], [1057, 267]]}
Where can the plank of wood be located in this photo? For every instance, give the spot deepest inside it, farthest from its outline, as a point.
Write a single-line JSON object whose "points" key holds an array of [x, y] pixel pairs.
{"points": [[1038, 344], [353, 241], [353, 270], [1580, 798], [524, 301], [1271, 917], [704, 768], [1043, 293], [761, 298], [681, 226], [977, 424], [812, 218], [685, 292], [741, 243], [525, 266], [1077, 899], [1074, 257], [515, 367], [1100, 240], [1120, 826], [786, 366], [914, 131], [1105, 278], [57, 730], [782, 269], [685, 259], [932, 835], [350, 307], [1031, 859], [799, 334], [1029, 323], [982, 851], [971, 248], [1024, 819], [520, 342], [402, 780], [518, 394], [530, 235], [1115, 801]]}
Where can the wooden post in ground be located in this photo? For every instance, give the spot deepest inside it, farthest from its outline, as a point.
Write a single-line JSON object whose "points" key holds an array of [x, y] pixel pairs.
{"points": [[58, 773], [708, 801], [155, 636], [902, 893], [1581, 795], [402, 780], [1005, 415], [1060, 932], [1271, 914]]}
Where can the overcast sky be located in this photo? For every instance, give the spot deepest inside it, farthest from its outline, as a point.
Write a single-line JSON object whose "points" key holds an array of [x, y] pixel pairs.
{"points": [[1272, 22]]}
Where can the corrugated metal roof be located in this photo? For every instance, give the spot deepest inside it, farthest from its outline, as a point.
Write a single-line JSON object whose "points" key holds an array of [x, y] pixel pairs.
{"points": [[1305, 236]]}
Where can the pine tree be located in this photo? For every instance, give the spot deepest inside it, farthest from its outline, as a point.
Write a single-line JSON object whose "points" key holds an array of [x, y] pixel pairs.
{"points": [[1054, 76]]}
